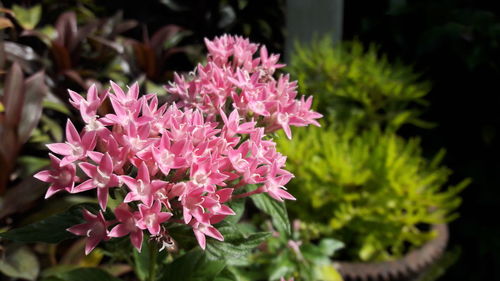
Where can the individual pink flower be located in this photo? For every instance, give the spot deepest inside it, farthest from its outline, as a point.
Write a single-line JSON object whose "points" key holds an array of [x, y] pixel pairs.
{"points": [[95, 229], [274, 185], [233, 125], [192, 201], [152, 217], [170, 156], [201, 229], [101, 177], [75, 148], [60, 177], [205, 174], [142, 188], [127, 226], [88, 107]]}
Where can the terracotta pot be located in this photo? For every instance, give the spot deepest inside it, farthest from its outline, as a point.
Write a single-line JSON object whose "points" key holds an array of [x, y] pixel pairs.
{"points": [[407, 268]]}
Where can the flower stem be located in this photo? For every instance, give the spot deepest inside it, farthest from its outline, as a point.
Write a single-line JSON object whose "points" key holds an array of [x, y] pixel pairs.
{"points": [[153, 253]]}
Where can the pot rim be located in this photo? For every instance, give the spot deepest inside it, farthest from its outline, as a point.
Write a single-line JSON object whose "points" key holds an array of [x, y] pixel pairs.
{"points": [[409, 264]]}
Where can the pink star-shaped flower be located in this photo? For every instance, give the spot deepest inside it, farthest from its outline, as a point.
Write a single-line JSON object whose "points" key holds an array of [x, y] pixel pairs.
{"points": [[101, 177], [95, 229]]}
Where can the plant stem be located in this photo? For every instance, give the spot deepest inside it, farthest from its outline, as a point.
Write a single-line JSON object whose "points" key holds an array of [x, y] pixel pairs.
{"points": [[153, 253]]}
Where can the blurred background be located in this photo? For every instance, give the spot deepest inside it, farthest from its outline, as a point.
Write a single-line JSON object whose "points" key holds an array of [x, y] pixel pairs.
{"points": [[453, 45]]}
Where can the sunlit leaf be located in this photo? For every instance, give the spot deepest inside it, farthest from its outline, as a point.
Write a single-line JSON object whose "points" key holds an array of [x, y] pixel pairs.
{"points": [[19, 262], [28, 18]]}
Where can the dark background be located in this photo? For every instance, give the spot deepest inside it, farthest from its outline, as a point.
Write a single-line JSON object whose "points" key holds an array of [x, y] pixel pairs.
{"points": [[455, 45]]}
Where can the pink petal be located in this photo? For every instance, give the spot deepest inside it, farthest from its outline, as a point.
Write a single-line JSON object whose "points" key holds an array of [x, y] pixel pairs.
{"points": [[122, 212], [225, 210], [214, 233], [92, 94], [79, 229], [71, 133], [143, 173], [43, 176], [51, 191], [102, 196], [106, 164], [89, 169], [136, 239], [201, 238], [91, 244], [283, 194], [76, 99], [68, 160], [60, 148], [154, 229], [86, 185], [163, 217], [117, 90], [133, 91], [119, 231], [89, 140], [224, 194]]}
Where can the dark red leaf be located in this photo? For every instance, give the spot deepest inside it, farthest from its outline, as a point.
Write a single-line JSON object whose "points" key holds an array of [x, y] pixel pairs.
{"points": [[21, 196], [73, 75], [13, 96], [162, 35], [67, 29], [34, 92], [61, 56], [124, 26]]}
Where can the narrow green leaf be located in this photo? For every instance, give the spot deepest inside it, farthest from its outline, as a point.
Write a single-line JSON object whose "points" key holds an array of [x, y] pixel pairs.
{"points": [[56, 106], [277, 211], [51, 229]]}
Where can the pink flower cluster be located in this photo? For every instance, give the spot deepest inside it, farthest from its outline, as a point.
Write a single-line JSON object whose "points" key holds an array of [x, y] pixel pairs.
{"points": [[180, 163], [234, 77]]}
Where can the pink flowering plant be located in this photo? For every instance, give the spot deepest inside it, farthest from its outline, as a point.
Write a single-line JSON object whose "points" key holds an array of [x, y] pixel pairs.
{"points": [[167, 173]]}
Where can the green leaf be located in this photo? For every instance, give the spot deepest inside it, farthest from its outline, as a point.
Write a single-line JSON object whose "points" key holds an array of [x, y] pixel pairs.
{"points": [[19, 262], [226, 275], [31, 164], [277, 211], [238, 206], [142, 261], [28, 18], [51, 229], [192, 266], [328, 273], [329, 246], [86, 274], [56, 106], [236, 246]]}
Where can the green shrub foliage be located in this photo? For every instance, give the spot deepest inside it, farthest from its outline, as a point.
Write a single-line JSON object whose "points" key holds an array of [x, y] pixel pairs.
{"points": [[374, 191], [353, 84]]}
